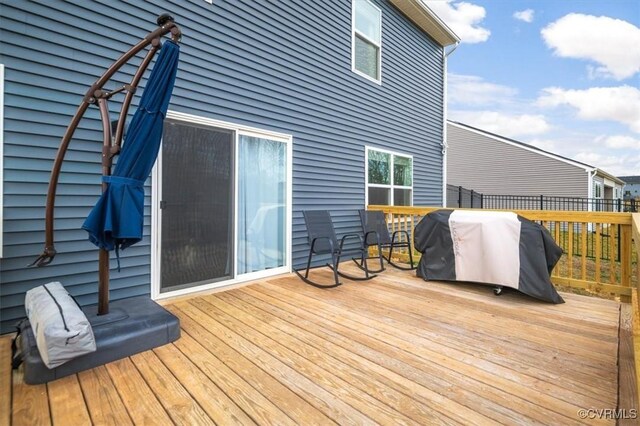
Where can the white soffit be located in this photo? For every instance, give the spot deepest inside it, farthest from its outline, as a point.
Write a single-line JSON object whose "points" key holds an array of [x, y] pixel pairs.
{"points": [[420, 14]]}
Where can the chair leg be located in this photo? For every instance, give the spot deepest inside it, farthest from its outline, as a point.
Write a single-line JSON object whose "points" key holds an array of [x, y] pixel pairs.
{"points": [[336, 262], [411, 268], [306, 274], [306, 279], [380, 256], [364, 256]]}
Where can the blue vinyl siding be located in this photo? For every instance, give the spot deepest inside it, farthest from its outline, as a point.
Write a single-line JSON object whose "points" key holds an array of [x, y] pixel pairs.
{"points": [[283, 66]]}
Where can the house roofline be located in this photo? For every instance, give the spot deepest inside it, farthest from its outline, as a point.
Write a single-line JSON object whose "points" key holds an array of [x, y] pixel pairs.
{"points": [[609, 176], [420, 14]]}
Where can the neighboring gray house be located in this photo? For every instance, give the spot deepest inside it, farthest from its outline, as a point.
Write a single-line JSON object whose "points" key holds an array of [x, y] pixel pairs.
{"points": [[495, 165], [278, 107], [631, 188]]}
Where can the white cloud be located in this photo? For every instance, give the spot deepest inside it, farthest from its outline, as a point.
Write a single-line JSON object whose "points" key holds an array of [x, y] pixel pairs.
{"points": [[618, 142], [474, 90], [463, 18], [524, 15], [621, 104], [508, 125], [611, 43], [616, 165]]}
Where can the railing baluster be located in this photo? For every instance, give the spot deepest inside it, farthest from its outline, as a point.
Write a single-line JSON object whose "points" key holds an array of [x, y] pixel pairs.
{"points": [[583, 249], [556, 232], [598, 237], [625, 256], [570, 250], [612, 257]]}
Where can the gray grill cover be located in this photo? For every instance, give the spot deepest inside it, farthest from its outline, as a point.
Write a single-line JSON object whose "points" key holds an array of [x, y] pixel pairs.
{"points": [[538, 255]]}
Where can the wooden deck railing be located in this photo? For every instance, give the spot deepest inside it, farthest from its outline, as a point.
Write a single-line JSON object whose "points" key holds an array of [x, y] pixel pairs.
{"points": [[635, 324], [597, 246]]}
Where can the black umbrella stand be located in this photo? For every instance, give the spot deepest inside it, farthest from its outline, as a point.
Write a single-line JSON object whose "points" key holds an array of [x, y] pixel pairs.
{"points": [[96, 95], [136, 324]]}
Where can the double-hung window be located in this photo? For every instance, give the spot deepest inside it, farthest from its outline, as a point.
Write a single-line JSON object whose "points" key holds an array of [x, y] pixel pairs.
{"points": [[389, 178], [366, 40]]}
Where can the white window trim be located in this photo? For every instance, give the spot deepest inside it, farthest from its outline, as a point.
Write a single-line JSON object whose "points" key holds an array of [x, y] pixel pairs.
{"points": [[156, 212], [353, 43], [391, 186], [1, 157], [598, 185]]}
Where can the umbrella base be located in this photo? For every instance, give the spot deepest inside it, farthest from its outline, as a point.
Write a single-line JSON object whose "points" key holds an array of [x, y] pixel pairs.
{"points": [[131, 326]]}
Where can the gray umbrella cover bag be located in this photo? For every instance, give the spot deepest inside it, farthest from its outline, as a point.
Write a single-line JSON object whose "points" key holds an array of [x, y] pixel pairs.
{"points": [[61, 329]]}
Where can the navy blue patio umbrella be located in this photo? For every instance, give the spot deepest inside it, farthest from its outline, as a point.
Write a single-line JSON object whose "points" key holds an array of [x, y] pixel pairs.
{"points": [[116, 221]]}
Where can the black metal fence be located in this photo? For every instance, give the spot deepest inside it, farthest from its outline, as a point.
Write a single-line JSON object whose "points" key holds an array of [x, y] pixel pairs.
{"points": [[459, 197]]}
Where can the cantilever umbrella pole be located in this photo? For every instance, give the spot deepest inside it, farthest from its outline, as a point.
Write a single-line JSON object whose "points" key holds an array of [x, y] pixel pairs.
{"points": [[95, 95]]}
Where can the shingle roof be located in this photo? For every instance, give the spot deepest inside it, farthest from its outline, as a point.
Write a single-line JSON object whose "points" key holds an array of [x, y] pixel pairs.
{"points": [[632, 180]]}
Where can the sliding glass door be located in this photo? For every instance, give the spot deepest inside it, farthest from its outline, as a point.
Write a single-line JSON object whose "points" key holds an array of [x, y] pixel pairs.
{"points": [[197, 206], [223, 205], [262, 202]]}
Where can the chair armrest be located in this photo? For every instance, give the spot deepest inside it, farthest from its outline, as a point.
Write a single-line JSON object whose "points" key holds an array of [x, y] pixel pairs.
{"points": [[358, 236], [313, 243], [376, 234], [393, 236]]}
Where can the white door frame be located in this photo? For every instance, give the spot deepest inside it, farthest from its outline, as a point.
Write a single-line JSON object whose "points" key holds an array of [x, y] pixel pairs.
{"points": [[156, 212]]}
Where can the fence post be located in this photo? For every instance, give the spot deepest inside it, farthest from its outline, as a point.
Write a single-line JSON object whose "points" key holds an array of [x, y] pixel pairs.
{"points": [[460, 197], [541, 202], [482, 201], [619, 205], [472, 198]]}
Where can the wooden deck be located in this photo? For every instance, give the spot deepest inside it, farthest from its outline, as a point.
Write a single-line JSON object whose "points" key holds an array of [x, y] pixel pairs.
{"points": [[392, 350]]}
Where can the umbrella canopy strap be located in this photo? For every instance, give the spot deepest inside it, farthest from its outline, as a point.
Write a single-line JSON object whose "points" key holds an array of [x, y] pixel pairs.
{"points": [[96, 95]]}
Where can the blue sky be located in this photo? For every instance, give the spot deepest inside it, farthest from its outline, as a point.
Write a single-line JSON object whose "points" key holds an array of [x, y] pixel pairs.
{"points": [[563, 75]]}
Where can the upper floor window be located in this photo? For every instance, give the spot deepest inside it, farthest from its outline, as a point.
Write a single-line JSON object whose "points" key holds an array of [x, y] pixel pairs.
{"points": [[366, 40], [389, 178]]}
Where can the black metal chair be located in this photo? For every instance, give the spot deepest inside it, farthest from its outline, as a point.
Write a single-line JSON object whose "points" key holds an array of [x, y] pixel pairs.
{"points": [[376, 233], [323, 240]]}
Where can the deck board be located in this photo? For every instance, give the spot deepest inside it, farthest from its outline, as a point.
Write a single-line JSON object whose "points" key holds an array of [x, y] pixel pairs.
{"points": [[67, 402], [103, 401], [218, 406], [5, 380], [140, 401], [30, 403], [628, 391], [522, 388], [261, 395], [392, 350]]}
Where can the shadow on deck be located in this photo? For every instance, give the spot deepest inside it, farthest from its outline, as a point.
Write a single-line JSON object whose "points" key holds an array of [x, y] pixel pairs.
{"points": [[391, 350]]}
